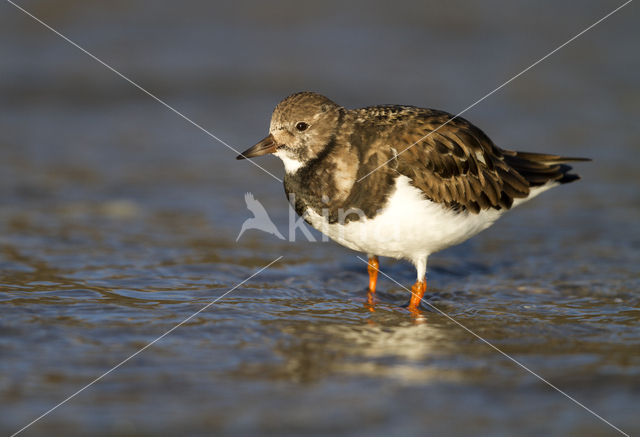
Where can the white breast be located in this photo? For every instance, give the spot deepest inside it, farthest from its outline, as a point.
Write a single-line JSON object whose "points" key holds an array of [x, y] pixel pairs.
{"points": [[409, 226]]}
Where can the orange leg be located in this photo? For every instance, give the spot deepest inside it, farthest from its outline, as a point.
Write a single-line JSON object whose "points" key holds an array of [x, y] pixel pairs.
{"points": [[417, 293], [372, 268]]}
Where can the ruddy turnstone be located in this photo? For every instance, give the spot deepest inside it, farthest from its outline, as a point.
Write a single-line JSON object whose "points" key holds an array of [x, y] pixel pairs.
{"points": [[398, 181]]}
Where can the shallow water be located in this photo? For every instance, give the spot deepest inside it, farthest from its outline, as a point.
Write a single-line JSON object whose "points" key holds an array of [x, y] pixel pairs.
{"points": [[118, 220]]}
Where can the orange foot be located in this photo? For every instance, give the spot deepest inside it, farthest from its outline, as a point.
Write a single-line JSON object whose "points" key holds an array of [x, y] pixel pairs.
{"points": [[371, 302], [417, 293], [372, 268]]}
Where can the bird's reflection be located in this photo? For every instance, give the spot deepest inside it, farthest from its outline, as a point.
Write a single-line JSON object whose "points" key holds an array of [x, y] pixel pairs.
{"points": [[387, 343]]}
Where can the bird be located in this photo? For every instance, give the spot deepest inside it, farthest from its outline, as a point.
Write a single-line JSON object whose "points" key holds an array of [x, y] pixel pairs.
{"points": [[260, 219], [399, 181]]}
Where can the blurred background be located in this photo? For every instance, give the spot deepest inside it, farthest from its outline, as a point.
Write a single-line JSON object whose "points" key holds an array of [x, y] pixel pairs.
{"points": [[118, 219]]}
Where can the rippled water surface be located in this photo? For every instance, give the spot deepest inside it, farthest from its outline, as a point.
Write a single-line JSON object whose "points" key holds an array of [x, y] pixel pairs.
{"points": [[118, 220]]}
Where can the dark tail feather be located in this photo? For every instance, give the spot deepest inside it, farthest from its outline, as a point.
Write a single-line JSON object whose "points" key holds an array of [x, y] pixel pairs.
{"points": [[539, 168]]}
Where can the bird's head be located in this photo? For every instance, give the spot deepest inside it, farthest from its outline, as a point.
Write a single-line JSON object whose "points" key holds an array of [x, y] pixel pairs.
{"points": [[302, 126]]}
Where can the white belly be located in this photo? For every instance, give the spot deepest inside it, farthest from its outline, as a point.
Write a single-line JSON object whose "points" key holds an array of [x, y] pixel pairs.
{"points": [[409, 226]]}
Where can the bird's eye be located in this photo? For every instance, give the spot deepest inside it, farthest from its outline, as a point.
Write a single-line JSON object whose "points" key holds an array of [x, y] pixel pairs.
{"points": [[301, 126]]}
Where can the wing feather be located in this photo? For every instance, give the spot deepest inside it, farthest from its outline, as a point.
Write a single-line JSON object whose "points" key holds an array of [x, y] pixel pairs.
{"points": [[456, 163]]}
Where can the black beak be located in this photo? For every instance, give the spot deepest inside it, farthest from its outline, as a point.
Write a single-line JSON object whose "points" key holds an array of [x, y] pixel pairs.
{"points": [[264, 147]]}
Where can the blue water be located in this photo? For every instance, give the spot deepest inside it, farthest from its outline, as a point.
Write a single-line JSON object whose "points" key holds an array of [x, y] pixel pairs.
{"points": [[118, 220]]}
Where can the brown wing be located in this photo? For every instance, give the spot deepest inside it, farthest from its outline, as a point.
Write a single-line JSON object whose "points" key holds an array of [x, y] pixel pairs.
{"points": [[459, 166]]}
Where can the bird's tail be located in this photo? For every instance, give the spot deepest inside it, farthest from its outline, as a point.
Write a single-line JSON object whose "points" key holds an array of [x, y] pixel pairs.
{"points": [[539, 168]]}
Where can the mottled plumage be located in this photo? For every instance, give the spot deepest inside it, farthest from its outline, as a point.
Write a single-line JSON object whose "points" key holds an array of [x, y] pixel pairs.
{"points": [[345, 170]]}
